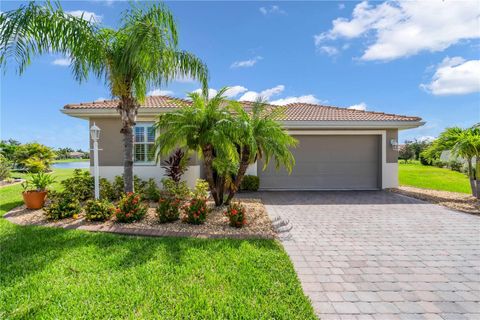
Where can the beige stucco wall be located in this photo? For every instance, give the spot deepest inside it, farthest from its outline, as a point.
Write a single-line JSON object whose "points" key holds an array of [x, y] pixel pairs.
{"points": [[392, 155], [110, 143]]}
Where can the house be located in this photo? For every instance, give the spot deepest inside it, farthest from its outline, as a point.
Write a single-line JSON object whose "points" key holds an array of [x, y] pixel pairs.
{"points": [[339, 148]]}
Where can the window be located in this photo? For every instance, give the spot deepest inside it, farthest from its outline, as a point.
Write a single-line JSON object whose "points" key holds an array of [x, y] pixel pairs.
{"points": [[144, 139]]}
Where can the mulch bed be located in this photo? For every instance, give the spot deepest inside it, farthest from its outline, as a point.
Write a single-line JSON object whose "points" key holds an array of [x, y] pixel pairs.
{"points": [[216, 225], [4, 183], [453, 200]]}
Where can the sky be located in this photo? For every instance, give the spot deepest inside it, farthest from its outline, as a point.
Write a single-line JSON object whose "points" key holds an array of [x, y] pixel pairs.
{"points": [[412, 58]]}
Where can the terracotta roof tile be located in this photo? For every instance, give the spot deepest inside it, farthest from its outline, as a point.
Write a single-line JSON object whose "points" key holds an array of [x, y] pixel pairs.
{"points": [[293, 111]]}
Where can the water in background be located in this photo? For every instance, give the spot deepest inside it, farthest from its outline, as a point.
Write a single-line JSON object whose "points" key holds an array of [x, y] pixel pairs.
{"points": [[72, 165]]}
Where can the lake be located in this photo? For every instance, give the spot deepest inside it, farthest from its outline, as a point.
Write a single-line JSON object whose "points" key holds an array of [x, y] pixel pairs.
{"points": [[72, 165]]}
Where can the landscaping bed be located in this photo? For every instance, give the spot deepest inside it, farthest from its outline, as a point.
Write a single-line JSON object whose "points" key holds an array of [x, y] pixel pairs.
{"points": [[453, 200], [258, 223]]}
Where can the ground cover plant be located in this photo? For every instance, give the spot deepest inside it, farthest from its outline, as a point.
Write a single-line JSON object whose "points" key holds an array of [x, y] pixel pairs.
{"points": [[236, 214], [54, 273], [429, 177]]}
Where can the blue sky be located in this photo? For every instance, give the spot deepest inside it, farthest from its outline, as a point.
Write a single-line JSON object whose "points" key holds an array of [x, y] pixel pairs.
{"points": [[397, 57]]}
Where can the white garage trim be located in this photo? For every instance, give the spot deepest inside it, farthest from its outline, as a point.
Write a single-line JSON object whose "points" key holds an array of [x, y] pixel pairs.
{"points": [[389, 173]]}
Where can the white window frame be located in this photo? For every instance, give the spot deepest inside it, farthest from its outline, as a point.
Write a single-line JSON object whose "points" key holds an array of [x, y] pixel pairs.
{"points": [[144, 125]]}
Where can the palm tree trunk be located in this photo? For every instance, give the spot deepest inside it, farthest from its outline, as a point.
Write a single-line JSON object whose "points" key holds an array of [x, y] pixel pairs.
{"points": [[477, 174], [208, 162], [473, 185], [128, 112], [244, 162]]}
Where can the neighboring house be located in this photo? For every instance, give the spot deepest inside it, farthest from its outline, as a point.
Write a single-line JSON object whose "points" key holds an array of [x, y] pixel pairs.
{"points": [[75, 155], [339, 148]]}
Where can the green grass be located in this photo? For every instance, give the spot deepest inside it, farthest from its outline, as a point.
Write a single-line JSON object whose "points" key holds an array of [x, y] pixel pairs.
{"points": [[429, 177], [70, 160], [67, 274]]}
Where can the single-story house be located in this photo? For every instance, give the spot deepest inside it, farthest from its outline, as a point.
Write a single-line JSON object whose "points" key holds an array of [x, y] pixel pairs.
{"points": [[339, 148]]}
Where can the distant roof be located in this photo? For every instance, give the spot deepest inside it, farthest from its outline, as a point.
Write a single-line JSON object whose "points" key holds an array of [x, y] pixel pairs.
{"points": [[293, 111]]}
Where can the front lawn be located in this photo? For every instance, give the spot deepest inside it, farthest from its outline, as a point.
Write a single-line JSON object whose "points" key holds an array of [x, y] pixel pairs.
{"points": [[54, 273], [429, 177]]}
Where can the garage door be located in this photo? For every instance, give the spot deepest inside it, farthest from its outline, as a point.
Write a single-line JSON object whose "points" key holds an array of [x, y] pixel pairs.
{"points": [[329, 162]]}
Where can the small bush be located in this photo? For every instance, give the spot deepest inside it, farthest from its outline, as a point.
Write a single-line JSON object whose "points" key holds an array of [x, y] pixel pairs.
{"points": [[236, 214], [439, 163], [168, 209], [455, 165], [35, 165], [424, 160], [250, 183], [178, 189], [80, 186], [195, 211], [118, 187], [107, 192], [151, 191], [5, 167], [62, 205], [201, 189], [98, 210], [130, 208]]}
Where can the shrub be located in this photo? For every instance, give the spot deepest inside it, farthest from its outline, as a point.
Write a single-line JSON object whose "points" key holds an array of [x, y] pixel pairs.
{"points": [[34, 165], [425, 160], [38, 182], [40, 153], [168, 209], [439, 163], [118, 187], [177, 189], [455, 165], [236, 214], [195, 211], [62, 205], [107, 192], [98, 210], [81, 185], [5, 166], [250, 183], [201, 189], [176, 165], [130, 208], [151, 191], [139, 186]]}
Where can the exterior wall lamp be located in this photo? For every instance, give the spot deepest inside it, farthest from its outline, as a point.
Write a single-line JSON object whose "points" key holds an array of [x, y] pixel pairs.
{"points": [[95, 135]]}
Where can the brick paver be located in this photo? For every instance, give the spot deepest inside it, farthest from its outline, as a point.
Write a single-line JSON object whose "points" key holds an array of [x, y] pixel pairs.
{"points": [[378, 255]]}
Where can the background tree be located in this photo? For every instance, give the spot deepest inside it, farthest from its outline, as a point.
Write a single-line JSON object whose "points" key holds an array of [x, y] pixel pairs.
{"points": [[406, 152], [8, 147], [141, 53], [207, 127], [260, 136]]}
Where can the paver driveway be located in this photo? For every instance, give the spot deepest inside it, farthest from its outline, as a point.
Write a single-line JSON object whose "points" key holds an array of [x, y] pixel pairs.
{"points": [[378, 255]]}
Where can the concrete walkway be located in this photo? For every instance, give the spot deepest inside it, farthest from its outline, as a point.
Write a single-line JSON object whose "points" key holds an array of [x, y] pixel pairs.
{"points": [[378, 255]]}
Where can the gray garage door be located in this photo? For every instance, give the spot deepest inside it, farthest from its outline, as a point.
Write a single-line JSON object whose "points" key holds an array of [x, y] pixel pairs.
{"points": [[325, 162]]}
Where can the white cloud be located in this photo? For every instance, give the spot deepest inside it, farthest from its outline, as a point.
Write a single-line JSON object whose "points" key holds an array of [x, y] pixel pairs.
{"points": [[341, 6], [235, 91], [426, 138], [211, 92], [100, 99], [271, 10], [87, 15], [301, 99], [329, 50], [246, 63], [62, 62], [405, 28], [455, 76], [158, 92], [360, 106], [265, 94]]}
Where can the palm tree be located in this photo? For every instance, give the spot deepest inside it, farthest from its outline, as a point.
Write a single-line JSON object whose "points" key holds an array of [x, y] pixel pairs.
{"points": [[207, 127], [260, 136], [464, 143], [141, 53]]}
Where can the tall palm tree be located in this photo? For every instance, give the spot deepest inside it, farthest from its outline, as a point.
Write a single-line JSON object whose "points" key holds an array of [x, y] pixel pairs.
{"points": [[142, 52], [260, 136], [207, 127], [464, 143]]}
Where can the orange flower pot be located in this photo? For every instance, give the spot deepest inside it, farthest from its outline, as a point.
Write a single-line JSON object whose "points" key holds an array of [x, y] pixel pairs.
{"points": [[34, 199]]}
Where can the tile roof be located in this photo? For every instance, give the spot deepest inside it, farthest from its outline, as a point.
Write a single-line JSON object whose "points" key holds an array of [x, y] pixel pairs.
{"points": [[293, 111]]}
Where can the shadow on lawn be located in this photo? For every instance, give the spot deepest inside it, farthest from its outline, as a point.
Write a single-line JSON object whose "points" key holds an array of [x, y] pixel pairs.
{"points": [[27, 250]]}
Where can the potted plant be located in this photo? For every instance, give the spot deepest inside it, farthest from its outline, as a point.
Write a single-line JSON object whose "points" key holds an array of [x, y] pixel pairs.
{"points": [[35, 190]]}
